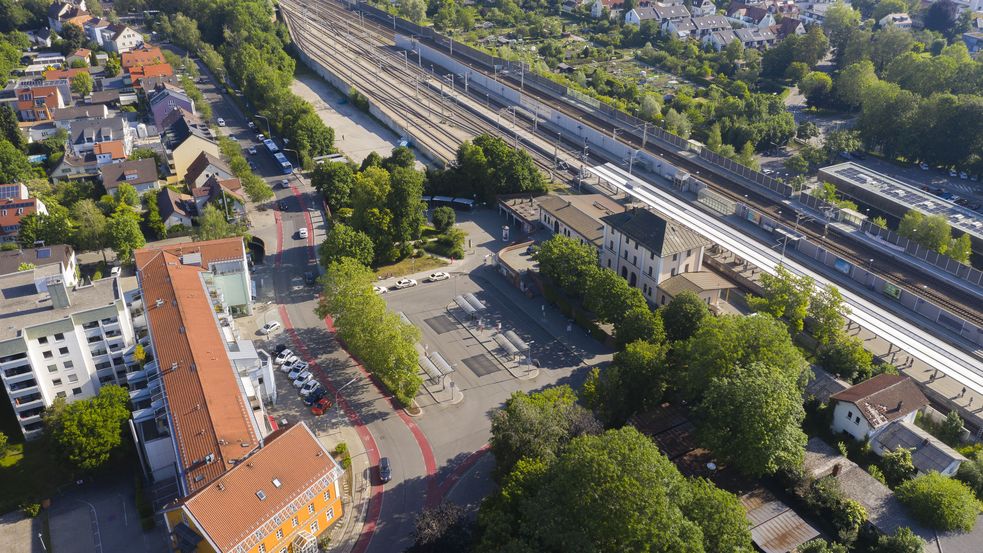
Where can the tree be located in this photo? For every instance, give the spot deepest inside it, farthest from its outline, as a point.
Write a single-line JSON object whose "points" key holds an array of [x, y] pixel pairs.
{"points": [[151, 216], [344, 241], [537, 426], [939, 502], [724, 343], [335, 182], [446, 528], [126, 194], [72, 36], [840, 21], [443, 218], [610, 297], [837, 142], [3, 444], [88, 430], [886, 7], [951, 429], [960, 249], [846, 357], [90, 234], [54, 227], [8, 127], [854, 82], [683, 316], [213, 225], [414, 10], [827, 311], [931, 231], [796, 164], [636, 380], [14, 166], [112, 66], [816, 87], [941, 16], [752, 418], [902, 541], [785, 296], [897, 465], [567, 262], [971, 473], [721, 517], [820, 545], [82, 84], [678, 124], [124, 232], [641, 323], [649, 107]]}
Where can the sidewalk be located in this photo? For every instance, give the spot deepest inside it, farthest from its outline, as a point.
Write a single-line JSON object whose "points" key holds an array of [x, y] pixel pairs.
{"points": [[345, 532]]}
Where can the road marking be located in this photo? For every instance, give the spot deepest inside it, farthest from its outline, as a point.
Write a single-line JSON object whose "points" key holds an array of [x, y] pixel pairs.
{"points": [[95, 524]]}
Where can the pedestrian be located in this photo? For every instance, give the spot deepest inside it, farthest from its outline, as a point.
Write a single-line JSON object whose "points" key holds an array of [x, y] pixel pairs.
{"points": [[963, 392]]}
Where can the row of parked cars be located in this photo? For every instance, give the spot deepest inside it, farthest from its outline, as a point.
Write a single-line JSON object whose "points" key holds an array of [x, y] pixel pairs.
{"points": [[411, 282], [940, 192], [299, 374]]}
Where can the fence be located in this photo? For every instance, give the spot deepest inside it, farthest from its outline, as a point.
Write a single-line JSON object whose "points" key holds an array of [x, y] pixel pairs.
{"points": [[914, 249]]}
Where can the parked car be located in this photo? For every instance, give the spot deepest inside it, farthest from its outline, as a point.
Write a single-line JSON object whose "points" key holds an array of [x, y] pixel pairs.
{"points": [[115, 271], [438, 276], [313, 397], [288, 365], [252, 125], [309, 387], [252, 150], [303, 378], [284, 183], [953, 173], [302, 233], [220, 121], [963, 175], [270, 328], [380, 289], [405, 283], [385, 470], [282, 356], [321, 407], [260, 138], [924, 166], [295, 372], [280, 348]]}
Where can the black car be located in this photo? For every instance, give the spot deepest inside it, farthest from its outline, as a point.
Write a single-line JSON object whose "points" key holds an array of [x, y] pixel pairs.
{"points": [[315, 396], [310, 277], [279, 348], [385, 470]]}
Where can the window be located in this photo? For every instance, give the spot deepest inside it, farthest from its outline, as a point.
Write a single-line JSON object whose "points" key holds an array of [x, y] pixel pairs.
{"points": [[59, 337], [56, 382], [673, 272], [44, 339], [73, 378], [675, 256], [849, 414], [611, 244], [314, 527], [262, 548], [68, 364], [327, 495], [52, 368], [279, 534], [688, 252], [634, 260], [310, 508], [62, 351], [650, 271], [294, 521], [76, 391], [329, 515], [857, 422], [47, 354], [609, 263]]}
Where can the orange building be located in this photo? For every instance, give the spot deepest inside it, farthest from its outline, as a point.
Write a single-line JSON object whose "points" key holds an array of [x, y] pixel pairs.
{"points": [[141, 72], [35, 103], [55, 74], [148, 55], [278, 500]]}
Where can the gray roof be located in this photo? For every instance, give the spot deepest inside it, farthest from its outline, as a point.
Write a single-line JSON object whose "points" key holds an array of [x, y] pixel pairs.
{"points": [[754, 34], [775, 527], [165, 92], [178, 126], [927, 452], [170, 202], [141, 171], [582, 223], [78, 112], [98, 129], [711, 22], [658, 233], [824, 385], [660, 13], [103, 97], [684, 25], [24, 307], [48, 255]]}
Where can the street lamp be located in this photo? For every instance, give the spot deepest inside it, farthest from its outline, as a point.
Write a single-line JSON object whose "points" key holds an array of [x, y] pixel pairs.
{"points": [[338, 391], [268, 131]]}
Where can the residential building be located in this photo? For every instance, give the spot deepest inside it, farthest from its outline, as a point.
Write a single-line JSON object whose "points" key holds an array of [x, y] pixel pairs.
{"points": [[973, 41], [577, 216], [63, 117], [754, 15], [66, 74], [175, 208], [928, 453], [709, 286], [704, 7], [184, 137], [12, 211], [146, 55], [137, 76], [75, 167], [14, 192], [95, 29], [167, 99], [140, 174], [283, 497], [82, 54], [104, 97], [646, 248], [60, 256], [864, 410], [55, 59], [198, 402], [897, 20], [697, 27], [84, 134], [204, 167], [521, 211], [111, 151], [40, 131], [787, 27], [40, 38], [749, 37], [815, 13], [63, 12], [658, 13], [226, 194], [59, 340], [35, 102], [121, 39]]}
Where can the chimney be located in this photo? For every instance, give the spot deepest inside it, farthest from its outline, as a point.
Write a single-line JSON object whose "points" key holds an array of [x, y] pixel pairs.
{"points": [[900, 404], [58, 293], [836, 470]]}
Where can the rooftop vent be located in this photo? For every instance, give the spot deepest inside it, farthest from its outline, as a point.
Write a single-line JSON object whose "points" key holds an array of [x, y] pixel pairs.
{"points": [[277, 483], [159, 302], [261, 495], [210, 458]]}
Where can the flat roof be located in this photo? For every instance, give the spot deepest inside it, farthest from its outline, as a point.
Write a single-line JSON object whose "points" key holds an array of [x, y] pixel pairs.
{"points": [[908, 196], [213, 425], [23, 307]]}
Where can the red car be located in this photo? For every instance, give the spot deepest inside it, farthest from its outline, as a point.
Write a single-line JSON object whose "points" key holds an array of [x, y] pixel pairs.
{"points": [[321, 407]]}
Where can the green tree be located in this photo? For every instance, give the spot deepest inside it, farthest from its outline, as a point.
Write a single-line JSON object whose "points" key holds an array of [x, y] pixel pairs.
{"points": [[752, 418], [610, 297], [90, 235], [112, 66], [73, 37], [124, 232], [828, 313], [902, 541], [897, 466], [724, 343], [816, 87], [55, 227], [414, 10], [126, 194], [939, 502], [443, 218], [344, 241], [8, 127], [721, 517], [796, 164], [538, 426], [951, 429], [567, 262], [3, 444], [840, 21], [960, 249], [637, 379], [87, 431], [931, 231], [82, 84], [785, 296], [683, 316], [846, 357], [14, 166], [885, 7], [820, 545], [335, 182], [971, 473], [641, 323], [213, 225], [151, 216]]}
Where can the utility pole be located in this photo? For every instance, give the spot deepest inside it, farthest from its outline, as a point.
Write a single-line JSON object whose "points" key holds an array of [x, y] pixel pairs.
{"points": [[556, 151], [645, 130]]}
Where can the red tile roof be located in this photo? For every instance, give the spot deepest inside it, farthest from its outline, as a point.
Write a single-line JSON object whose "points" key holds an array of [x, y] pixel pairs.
{"points": [[56, 74], [112, 147], [148, 55], [12, 211], [230, 511], [212, 423], [139, 73]]}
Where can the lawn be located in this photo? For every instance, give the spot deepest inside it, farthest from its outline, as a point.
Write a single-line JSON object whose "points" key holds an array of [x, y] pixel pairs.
{"points": [[29, 472], [409, 266]]}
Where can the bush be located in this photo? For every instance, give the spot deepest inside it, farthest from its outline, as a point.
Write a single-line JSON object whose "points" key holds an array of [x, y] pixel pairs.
{"points": [[846, 515], [31, 509], [443, 219], [939, 502], [341, 452], [358, 100], [450, 244]]}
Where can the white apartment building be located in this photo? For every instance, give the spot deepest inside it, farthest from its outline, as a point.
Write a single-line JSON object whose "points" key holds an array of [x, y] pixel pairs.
{"points": [[59, 338], [646, 248]]}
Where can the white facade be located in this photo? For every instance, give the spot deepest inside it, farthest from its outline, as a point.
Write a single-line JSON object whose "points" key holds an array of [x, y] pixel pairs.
{"points": [[847, 418], [640, 266]]}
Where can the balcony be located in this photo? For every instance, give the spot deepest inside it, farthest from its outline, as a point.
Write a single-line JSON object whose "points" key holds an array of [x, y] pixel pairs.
{"points": [[30, 413], [28, 400], [26, 384], [93, 338], [17, 371], [98, 352], [91, 325], [113, 333], [12, 358]]}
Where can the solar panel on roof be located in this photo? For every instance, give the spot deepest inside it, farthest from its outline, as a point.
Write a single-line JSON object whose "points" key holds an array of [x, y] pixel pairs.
{"points": [[44, 253]]}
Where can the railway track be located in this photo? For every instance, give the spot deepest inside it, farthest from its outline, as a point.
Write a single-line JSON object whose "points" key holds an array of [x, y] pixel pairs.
{"points": [[909, 277]]}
